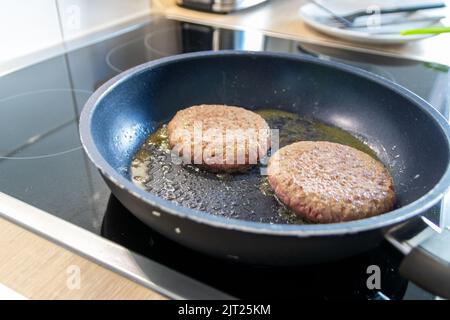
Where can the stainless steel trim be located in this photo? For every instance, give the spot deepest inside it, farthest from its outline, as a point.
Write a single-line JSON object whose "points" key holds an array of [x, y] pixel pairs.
{"points": [[406, 242], [112, 256], [445, 212], [230, 5], [181, 2], [225, 6]]}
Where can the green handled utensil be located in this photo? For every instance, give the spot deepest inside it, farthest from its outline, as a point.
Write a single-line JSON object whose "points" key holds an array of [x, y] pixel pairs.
{"points": [[430, 30]]}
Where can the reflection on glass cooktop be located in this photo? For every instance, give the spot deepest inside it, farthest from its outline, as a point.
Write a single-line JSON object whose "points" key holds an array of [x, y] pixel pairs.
{"points": [[340, 280], [42, 162]]}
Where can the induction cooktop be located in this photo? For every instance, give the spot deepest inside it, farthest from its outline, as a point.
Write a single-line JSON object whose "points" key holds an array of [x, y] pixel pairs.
{"points": [[42, 162]]}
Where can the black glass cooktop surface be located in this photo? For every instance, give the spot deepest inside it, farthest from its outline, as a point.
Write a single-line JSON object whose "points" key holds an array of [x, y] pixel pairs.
{"points": [[43, 164]]}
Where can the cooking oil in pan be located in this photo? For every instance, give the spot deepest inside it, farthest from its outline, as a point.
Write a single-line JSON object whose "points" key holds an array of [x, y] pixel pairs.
{"points": [[247, 195]]}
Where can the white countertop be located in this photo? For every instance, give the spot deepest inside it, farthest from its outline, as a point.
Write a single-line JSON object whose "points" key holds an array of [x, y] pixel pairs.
{"points": [[280, 18]]}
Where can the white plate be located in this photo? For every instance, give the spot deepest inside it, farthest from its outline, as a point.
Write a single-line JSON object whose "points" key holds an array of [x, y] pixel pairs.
{"points": [[317, 18]]}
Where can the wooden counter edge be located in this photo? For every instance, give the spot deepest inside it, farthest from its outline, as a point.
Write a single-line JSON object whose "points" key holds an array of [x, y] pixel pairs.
{"points": [[39, 269]]}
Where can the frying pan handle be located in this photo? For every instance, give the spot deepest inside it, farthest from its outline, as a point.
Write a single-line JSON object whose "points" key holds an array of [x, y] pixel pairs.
{"points": [[427, 254]]}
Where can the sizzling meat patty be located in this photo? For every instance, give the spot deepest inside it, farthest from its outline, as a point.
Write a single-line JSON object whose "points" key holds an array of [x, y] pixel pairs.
{"points": [[219, 137], [328, 182]]}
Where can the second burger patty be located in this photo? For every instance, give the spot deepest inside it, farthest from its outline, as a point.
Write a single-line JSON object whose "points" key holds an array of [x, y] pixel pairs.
{"points": [[327, 182]]}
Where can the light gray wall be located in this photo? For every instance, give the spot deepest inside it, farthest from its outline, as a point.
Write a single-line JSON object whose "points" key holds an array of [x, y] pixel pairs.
{"points": [[33, 27]]}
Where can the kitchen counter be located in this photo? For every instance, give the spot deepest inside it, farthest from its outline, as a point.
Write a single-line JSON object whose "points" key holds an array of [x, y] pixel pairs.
{"points": [[280, 18], [35, 268]]}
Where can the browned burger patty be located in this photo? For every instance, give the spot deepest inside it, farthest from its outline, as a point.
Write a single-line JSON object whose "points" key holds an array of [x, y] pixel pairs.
{"points": [[219, 137], [327, 182]]}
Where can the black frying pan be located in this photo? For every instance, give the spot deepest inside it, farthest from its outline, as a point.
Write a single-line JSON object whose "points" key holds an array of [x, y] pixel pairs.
{"points": [[409, 136]]}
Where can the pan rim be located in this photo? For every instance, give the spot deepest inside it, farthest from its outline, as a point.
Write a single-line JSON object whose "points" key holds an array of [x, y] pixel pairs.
{"points": [[380, 221]]}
